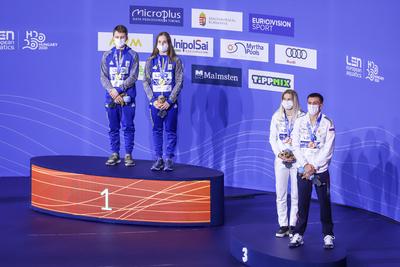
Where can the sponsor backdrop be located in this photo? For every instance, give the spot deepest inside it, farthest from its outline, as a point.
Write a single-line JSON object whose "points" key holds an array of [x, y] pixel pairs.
{"points": [[237, 57]]}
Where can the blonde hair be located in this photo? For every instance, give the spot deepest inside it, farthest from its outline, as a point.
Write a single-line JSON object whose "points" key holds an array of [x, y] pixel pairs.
{"points": [[296, 104]]}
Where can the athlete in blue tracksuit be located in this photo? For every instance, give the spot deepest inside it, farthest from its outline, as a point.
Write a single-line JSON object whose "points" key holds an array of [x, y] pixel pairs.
{"points": [[163, 80], [119, 72]]}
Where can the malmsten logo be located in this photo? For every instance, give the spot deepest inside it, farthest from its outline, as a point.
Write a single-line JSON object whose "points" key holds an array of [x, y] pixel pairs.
{"points": [[217, 75]]}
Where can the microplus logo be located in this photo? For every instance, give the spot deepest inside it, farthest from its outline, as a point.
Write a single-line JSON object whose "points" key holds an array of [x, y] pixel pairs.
{"points": [[156, 15], [217, 75], [193, 45], [271, 24]]}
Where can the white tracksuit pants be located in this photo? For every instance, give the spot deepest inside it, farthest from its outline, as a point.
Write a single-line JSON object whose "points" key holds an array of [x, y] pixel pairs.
{"points": [[282, 175]]}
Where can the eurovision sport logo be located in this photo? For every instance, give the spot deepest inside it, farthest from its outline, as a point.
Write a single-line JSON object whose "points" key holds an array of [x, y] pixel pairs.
{"points": [[217, 19], [270, 81], [205, 74], [170, 16], [244, 50], [271, 24]]}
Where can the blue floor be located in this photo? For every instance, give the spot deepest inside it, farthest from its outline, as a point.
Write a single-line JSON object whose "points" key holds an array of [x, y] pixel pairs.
{"points": [[29, 238]]}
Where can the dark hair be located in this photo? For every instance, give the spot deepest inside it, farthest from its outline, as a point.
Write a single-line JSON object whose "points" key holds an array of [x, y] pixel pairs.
{"points": [[121, 29], [321, 98], [171, 51]]}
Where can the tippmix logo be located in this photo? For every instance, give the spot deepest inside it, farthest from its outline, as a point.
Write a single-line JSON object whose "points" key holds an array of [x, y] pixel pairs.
{"points": [[270, 81]]}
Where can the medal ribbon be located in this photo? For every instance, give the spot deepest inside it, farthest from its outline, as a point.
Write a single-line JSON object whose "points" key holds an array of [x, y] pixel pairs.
{"points": [[312, 132]]}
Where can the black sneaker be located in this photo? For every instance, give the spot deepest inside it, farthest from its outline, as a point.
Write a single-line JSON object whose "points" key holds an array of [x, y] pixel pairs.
{"points": [[113, 159], [169, 165], [291, 231], [158, 165], [129, 161], [296, 241], [282, 232]]}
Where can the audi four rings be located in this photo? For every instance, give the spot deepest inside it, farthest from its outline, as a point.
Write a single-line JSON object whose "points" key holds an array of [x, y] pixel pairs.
{"points": [[296, 53]]}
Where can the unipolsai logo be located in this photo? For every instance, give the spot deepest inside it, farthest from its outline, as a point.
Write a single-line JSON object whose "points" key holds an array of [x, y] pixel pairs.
{"points": [[7, 40], [35, 40], [193, 45]]}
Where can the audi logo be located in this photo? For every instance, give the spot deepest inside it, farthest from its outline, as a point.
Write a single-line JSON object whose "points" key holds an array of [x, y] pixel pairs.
{"points": [[296, 53]]}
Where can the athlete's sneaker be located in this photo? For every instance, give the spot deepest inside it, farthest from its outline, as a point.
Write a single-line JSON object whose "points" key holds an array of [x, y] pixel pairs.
{"points": [[169, 165], [113, 159], [291, 231], [129, 161], [282, 232], [158, 165], [328, 242], [296, 241]]}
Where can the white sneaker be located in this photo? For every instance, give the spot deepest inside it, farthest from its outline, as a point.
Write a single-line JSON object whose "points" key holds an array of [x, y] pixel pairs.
{"points": [[296, 241], [328, 242]]}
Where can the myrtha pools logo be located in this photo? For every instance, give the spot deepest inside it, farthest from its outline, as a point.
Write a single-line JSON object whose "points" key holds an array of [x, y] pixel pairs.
{"points": [[36, 41], [245, 50]]}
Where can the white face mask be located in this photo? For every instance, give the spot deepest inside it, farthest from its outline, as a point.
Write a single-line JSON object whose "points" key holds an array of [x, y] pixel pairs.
{"points": [[119, 43], [162, 47], [312, 109], [287, 104]]}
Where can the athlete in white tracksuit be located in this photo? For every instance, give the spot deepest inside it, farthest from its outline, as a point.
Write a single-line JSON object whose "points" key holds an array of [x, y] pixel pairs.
{"points": [[280, 139], [313, 144]]}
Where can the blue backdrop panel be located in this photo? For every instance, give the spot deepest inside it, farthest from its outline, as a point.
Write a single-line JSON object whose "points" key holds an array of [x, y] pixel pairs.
{"points": [[51, 100]]}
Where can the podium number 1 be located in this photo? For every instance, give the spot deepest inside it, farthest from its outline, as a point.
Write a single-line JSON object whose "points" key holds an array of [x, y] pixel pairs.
{"points": [[105, 193]]}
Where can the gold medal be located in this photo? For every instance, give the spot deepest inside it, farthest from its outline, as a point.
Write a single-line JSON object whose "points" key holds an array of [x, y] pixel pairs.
{"points": [[161, 81], [311, 145]]}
